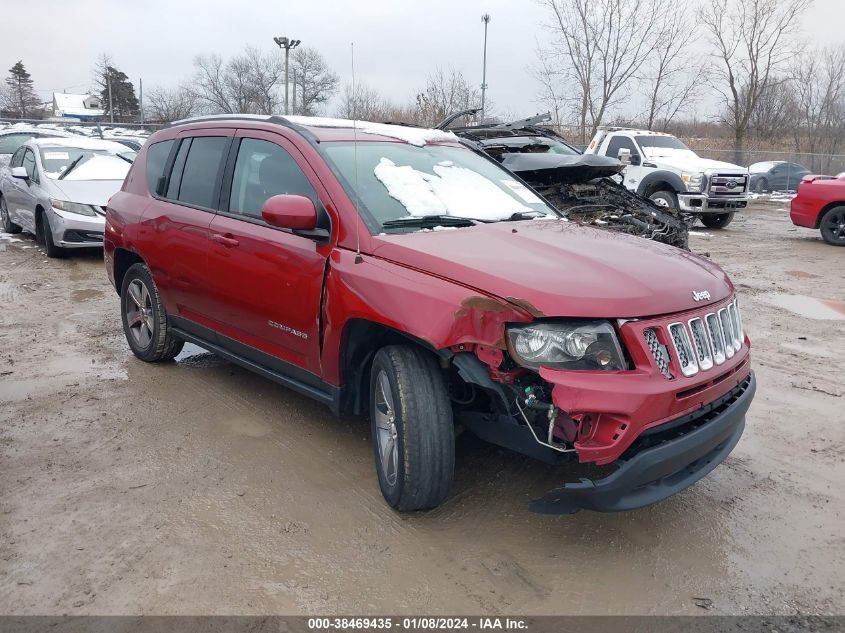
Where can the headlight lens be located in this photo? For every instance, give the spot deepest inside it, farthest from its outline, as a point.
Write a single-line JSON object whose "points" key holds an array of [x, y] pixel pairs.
{"points": [[73, 207], [693, 180], [590, 345]]}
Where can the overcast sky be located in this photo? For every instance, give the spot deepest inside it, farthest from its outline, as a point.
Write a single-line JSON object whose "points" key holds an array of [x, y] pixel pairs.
{"points": [[397, 43]]}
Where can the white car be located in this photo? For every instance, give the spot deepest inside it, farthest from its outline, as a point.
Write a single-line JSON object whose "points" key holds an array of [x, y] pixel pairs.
{"points": [[12, 137], [57, 189]]}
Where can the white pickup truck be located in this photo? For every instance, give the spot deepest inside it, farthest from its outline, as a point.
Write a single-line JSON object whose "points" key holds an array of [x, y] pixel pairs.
{"points": [[661, 167]]}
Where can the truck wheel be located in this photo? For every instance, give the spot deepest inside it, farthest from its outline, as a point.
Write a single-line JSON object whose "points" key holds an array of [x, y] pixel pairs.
{"points": [[665, 199], [8, 225], [762, 186], [412, 429], [832, 226], [716, 220], [49, 244], [145, 322]]}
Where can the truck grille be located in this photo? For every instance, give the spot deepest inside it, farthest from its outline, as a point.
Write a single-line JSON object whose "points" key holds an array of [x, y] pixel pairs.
{"points": [[727, 185], [699, 344]]}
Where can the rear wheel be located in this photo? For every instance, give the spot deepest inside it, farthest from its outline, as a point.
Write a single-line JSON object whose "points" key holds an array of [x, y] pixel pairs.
{"points": [[145, 322], [413, 433], [832, 226], [716, 220], [8, 225], [665, 199], [762, 186]]}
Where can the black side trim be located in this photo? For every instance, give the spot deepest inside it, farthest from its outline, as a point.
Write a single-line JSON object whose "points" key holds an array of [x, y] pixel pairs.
{"points": [[77, 236], [661, 175], [280, 372]]}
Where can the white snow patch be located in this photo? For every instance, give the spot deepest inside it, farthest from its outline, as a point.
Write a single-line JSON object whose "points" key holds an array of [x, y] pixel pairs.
{"points": [[413, 135], [700, 234], [450, 190], [8, 237]]}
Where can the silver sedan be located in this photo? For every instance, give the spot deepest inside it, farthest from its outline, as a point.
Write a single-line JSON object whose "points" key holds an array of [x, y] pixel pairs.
{"points": [[57, 189]]}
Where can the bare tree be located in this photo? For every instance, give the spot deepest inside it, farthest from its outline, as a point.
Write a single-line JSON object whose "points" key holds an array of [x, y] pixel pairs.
{"points": [[774, 118], [247, 83], [445, 93], [315, 83], [599, 47], [551, 94], [819, 90], [169, 104], [753, 43], [364, 103], [670, 74]]}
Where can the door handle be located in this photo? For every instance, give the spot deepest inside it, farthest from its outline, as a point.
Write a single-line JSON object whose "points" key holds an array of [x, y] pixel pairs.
{"points": [[226, 240]]}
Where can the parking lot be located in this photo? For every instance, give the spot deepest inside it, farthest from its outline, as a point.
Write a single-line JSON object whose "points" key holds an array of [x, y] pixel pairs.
{"points": [[197, 487]]}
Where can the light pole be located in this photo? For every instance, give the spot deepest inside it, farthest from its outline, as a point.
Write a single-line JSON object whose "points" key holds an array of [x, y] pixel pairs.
{"points": [[486, 19], [287, 44]]}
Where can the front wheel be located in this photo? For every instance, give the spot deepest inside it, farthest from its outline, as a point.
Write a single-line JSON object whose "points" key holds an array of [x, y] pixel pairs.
{"points": [[145, 322], [665, 199], [50, 246], [832, 226], [412, 429], [716, 220]]}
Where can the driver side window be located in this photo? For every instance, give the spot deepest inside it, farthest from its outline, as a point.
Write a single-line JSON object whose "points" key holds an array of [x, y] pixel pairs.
{"points": [[620, 142], [17, 158], [29, 165]]}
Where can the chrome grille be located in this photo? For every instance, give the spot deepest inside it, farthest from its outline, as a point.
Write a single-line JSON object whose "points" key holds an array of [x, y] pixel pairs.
{"points": [[702, 344], [683, 348], [658, 352], [726, 185]]}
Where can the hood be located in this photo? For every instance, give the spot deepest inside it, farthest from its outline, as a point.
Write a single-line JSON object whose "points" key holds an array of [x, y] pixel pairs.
{"points": [[559, 268], [693, 164], [96, 192], [560, 168]]}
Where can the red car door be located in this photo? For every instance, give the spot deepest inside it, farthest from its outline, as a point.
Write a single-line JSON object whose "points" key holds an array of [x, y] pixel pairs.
{"points": [[266, 282], [176, 224]]}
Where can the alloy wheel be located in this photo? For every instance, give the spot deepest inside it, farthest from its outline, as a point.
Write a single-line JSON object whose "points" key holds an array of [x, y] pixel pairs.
{"points": [[385, 419], [834, 225], [139, 313]]}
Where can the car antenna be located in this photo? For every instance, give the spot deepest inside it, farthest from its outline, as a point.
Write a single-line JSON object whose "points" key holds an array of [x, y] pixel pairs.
{"points": [[358, 258]]}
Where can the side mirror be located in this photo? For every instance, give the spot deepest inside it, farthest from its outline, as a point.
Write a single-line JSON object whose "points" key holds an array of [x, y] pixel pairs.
{"points": [[20, 172], [624, 156], [290, 212], [635, 159]]}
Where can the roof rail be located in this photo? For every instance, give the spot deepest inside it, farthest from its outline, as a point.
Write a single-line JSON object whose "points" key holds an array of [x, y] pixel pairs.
{"points": [[223, 117]]}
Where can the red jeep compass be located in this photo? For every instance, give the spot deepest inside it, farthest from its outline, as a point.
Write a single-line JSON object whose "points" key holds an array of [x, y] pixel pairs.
{"points": [[393, 271]]}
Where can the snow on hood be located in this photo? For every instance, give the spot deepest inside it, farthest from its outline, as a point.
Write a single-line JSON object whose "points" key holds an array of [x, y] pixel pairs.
{"points": [[693, 163], [96, 192], [413, 135], [451, 190], [99, 167]]}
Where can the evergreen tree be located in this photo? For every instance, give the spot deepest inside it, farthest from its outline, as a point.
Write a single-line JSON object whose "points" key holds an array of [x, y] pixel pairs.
{"points": [[124, 103], [20, 98]]}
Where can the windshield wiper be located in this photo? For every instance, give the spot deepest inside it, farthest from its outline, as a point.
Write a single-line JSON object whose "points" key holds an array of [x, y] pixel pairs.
{"points": [[527, 215], [428, 221], [71, 167]]}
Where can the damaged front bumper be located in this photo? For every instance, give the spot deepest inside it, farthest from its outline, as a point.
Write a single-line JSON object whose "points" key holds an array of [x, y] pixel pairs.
{"points": [[662, 461]]}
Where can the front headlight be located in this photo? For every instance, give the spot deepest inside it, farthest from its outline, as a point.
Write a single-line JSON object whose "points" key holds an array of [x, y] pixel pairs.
{"points": [[566, 345], [693, 180], [73, 207]]}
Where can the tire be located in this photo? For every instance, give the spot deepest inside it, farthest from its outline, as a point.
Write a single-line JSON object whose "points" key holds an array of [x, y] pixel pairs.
{"points": [[8, 225], [145, 322], [54, 251], [762, 186], [665, 199], [832, 226], [410, 411], [716, 220]]}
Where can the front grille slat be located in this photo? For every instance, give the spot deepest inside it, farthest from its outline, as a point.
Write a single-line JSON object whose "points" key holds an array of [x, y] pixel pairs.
{"points": [[702, 343], [683, 349], [727, 329], [658, 352]]}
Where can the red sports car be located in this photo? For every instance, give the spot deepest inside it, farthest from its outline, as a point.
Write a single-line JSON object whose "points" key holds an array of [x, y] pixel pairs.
{"points": [[820, 204]]}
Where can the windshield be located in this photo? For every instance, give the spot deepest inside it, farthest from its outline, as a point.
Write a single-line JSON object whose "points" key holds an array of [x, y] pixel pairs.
{"points": [[398, 180], [529, 145], [654, 146], [71, 163]]}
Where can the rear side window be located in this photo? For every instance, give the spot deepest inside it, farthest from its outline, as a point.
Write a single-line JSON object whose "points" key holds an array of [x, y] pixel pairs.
{"points": [[203, 171], [178, 167], [263, 169], [156, 162]]}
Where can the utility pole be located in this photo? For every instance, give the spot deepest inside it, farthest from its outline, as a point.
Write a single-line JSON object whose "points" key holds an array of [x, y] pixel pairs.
{"points": [[294, 91], [141, 100], [111, 108], [287, 44], [486, 19]]}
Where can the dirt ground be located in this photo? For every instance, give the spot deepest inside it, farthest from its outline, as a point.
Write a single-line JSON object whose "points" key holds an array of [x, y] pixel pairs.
{"points": [[196, 487]]}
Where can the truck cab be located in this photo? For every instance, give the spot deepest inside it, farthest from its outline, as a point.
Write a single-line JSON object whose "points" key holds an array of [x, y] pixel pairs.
{"points": [[664, 169]]}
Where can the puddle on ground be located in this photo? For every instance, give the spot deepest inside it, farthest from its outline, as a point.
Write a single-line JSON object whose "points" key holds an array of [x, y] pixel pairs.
{"points": [[85, 294], [809, 307]]}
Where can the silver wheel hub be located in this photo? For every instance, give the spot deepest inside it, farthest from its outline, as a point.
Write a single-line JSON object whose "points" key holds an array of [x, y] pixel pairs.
{"points": [[139, 313], [660, 202], [386, 434]]}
